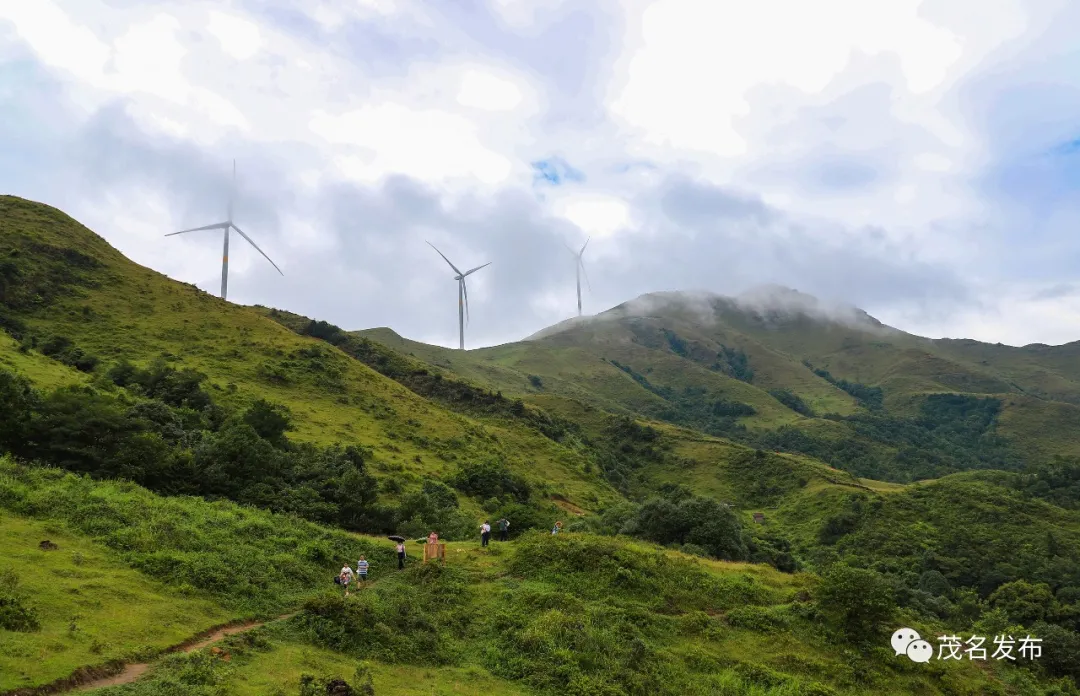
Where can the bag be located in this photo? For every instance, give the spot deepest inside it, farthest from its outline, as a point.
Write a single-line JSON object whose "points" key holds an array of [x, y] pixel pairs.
{"points": [[337, 579]]}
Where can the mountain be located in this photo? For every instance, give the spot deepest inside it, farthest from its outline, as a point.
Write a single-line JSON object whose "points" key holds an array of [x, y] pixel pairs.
{"points": [[779, 369], [742, 481]]}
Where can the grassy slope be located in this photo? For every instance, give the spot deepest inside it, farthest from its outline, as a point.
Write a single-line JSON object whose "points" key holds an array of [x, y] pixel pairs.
{"points": [[116, 611], [749, 639], [122, 310]]}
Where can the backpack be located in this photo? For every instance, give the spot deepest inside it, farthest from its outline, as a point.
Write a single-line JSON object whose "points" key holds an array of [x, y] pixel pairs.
{"points": [[337, 579]]}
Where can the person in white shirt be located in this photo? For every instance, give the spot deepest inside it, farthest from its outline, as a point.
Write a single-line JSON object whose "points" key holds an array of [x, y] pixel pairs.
{"points": [[346, 577], [485, 533]]}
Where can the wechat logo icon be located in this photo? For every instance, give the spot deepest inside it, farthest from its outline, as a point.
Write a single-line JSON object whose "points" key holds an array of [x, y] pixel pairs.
{"points": [[906, 641]]}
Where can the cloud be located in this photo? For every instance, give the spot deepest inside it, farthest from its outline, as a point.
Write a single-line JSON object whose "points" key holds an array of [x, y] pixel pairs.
{"points": [[916, 159]]}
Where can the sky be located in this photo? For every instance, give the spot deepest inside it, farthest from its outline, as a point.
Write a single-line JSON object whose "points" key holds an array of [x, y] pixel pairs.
{"points": [[919, 159]]}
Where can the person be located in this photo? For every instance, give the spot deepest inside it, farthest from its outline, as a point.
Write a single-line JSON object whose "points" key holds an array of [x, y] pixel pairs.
{"points": [[346, 577], [361, 571], [485, 533], [401, 555], [557, 528], [433, 538], [504, 529]]}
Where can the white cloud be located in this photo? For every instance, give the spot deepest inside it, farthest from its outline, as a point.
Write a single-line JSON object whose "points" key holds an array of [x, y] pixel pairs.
{"points": [[482, 90], [57, 40], [428, 144], [855, 117], [596, 214], [239, 37]]}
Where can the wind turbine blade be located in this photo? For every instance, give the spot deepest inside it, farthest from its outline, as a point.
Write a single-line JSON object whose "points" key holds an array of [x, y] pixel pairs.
{"points": [[444, 258], [568, 248], [587, 283], [584, 245], [475, 269], [241, 233], [215, 226]]}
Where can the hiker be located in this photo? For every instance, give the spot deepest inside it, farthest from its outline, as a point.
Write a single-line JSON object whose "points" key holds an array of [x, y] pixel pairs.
{"points": [[346, 577], [433, 538], [361, 571], [401, 555], [557, 528], [485, 533], [504, 529]]}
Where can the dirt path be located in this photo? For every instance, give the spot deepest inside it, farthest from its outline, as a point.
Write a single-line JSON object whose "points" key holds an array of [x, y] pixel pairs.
{"points": [[93, 678]]}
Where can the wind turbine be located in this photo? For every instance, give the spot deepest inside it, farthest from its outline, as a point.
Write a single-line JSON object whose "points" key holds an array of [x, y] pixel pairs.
{"points": [[579, 267], [228, 225], [462, 294]]}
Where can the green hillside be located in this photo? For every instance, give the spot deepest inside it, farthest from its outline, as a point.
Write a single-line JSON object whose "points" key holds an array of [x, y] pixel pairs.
{"points": [[572, 614], [754, 491], [65, 291], [778, 371]]}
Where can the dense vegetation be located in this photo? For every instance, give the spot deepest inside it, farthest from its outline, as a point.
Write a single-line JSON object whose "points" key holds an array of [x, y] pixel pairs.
{"points": [[952, 433], [163, 431]]}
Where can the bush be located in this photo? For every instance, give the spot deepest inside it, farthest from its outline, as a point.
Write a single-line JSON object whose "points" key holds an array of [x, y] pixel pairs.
{"points": [[490, 478], [680, 517], [858, 601], [15, 615]]}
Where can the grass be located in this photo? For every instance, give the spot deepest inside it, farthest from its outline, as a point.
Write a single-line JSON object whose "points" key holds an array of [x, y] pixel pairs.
{"points": [[93, 608], [573, 614], [266, 673]]}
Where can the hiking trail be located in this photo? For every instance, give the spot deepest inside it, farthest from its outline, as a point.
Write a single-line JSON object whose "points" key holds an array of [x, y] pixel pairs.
{"points": [[91, 678]]}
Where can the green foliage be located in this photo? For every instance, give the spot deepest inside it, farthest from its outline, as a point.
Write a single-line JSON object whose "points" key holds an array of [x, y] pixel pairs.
{"points": [[62, 348], [983, 546], [677, 516], [15, 613], [1056, 481], [245, 558], [791, 400], [1023, 602], [762, 479], [858, 601], [490, 478], [953, 433], [269, 421], [1060, 650], [434, 507], [733, 362], [177, 388], [18, 400], [870, 397], [156, 445]]}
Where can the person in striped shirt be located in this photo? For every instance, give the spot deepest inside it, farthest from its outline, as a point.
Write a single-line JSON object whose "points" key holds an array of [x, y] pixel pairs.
{"points": [[361, 569]]}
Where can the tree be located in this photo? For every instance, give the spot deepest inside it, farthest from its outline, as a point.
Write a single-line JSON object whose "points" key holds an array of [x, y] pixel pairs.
{"points": [[1024, 602], [269, 421], [17, 402], [81, 430], [856, 600]]}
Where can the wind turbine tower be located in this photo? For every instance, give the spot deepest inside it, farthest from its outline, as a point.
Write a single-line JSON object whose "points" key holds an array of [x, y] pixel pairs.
{"points": [[463, 295], [227, 226], [579, 267]]}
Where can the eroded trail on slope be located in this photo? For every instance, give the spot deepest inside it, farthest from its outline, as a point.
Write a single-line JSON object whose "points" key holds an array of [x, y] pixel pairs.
{"points": [[133, 671]]}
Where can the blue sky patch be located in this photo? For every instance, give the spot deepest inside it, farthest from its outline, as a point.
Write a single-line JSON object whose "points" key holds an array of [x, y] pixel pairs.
{"points": [[555, 171]]}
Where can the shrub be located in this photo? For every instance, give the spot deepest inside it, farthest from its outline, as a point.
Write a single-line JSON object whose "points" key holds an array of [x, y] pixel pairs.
{"points": [[858, 601], [15, 615]]}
